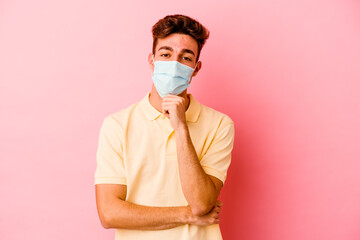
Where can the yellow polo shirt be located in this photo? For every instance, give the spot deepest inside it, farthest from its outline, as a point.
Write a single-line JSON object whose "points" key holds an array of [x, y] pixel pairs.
{"points": [[137, 148]]}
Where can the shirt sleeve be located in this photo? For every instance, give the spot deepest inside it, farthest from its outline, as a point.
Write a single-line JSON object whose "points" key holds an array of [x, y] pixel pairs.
{"points": [[109, 156], [216, 160]]}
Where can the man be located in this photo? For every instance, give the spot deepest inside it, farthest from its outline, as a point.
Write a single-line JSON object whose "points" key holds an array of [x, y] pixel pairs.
{"points": [[162, 161]]}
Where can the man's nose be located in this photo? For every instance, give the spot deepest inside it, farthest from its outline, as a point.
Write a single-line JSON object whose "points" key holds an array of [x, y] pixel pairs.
{"points": [[176, 57]]}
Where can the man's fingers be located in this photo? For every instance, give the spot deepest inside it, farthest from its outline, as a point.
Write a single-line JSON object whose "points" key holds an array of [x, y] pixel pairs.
{"points": [[217, 215], [217, 210], [173, 98], [167, 104], [219, 203]]}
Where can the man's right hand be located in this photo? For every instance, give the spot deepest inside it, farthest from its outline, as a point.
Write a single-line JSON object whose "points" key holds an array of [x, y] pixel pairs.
{"points": [[208, 219]]}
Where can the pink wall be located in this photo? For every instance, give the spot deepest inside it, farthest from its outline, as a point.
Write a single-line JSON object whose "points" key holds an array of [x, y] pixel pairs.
{"points": [[287, 72]]}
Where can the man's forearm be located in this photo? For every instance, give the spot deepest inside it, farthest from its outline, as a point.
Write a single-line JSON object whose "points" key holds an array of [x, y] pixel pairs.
{"points": [[198, 188], [123, 214]]}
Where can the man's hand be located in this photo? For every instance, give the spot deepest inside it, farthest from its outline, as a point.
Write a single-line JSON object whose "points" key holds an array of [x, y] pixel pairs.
{"points": [[174, 108], [208, 219]]}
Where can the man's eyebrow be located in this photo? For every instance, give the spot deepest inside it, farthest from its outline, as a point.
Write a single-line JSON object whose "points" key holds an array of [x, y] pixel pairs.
{"points": [[188, 51], [171, 49], [166, 48]]}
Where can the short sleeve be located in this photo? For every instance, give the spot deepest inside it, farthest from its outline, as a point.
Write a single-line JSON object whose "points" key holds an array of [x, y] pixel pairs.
{"points": [[217, 158], [109, 156]]}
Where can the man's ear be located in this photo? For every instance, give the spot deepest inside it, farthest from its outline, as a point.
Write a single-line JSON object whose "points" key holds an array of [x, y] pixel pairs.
{"points": [[197, 69], [151, 61]]}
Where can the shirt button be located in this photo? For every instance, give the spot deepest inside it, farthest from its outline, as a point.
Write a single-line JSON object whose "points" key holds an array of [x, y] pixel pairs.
{"points": [[162, 117]]}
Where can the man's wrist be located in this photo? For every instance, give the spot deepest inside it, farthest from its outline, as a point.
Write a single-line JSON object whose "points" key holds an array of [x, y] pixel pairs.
{"points": [[182, 129], [187, 216]]}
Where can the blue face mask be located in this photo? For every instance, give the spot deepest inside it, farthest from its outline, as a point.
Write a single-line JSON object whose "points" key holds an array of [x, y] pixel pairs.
{"points": [[171, 77]]}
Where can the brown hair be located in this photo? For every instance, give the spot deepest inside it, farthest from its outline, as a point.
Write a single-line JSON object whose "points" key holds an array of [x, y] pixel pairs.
{"points": [[180, 24]]}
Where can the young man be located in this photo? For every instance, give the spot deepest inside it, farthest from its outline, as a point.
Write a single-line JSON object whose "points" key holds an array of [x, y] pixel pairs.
{"points": [[162, 161]]}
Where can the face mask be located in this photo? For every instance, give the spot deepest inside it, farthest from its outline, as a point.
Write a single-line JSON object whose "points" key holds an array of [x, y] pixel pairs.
{"points": [[171, 77]]}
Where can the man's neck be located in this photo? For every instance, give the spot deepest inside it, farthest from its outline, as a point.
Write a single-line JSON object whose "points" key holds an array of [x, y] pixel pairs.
{"points": [[155, 99]]}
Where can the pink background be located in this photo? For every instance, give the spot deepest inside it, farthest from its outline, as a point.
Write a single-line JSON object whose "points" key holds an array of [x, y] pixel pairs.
{"points": [[287, 72]]}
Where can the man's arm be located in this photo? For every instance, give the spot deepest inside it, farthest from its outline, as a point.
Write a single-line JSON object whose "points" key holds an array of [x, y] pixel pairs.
{"points": [[115, 212], [200, 190]]}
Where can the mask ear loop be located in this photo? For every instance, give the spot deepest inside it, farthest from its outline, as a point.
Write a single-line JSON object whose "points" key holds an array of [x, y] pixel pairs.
{"points": [[195, 65], [193, 72]]}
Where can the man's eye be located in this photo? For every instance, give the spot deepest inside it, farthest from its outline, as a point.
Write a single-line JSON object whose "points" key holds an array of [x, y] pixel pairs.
{"points": [[164, 55], [187, 59]]}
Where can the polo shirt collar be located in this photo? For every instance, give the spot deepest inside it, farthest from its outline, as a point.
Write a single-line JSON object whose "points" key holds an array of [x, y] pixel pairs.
{"points": [[151, 113], [193, 111]]}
